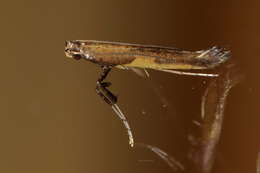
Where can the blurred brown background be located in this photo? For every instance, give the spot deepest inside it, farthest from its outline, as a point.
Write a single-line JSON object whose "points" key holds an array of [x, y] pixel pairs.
{"points": [[51, 119]]}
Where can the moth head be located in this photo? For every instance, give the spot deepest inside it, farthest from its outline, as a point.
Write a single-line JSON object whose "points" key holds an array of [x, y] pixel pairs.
{"points": [[76, 50]]}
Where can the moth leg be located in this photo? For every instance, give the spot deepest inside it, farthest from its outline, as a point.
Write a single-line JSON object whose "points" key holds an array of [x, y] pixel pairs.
{"points": [[104, 73], [101, 87], [189, 73], [105, 94]]}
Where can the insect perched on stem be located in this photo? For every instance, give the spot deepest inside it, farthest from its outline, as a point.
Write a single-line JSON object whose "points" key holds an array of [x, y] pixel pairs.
{"points": [[131, 56]]}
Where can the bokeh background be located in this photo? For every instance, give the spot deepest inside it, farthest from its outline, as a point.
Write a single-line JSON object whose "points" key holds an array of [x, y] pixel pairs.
{"points": [[51, 119]]}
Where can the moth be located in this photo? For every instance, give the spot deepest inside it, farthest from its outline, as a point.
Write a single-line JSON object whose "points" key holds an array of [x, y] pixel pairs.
{"points": [[110, 55]]}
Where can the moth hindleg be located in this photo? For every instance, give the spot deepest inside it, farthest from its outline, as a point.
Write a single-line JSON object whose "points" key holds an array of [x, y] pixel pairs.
{"points": [[101, 87]]}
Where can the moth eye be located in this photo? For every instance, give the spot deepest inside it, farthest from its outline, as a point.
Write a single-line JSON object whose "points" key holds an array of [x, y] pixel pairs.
{"points": [[77, 56]]}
